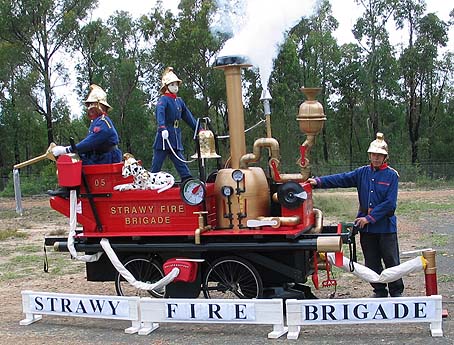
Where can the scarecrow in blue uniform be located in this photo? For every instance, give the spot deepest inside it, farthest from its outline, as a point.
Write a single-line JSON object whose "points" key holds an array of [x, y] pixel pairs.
{"points": [[377, 186], [170, 110], [101, 144]]}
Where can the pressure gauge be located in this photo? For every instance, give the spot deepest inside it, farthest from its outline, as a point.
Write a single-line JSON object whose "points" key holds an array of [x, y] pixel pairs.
{"points": [[227, 191], [237, 175], [193, 192]]}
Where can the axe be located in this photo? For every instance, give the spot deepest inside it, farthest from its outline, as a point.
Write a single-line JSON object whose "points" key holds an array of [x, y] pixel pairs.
{"points": [[48, 154]]}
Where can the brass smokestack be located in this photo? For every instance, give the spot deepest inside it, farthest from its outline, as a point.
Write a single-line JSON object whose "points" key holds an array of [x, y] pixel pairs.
{"points": [[232, 70]]}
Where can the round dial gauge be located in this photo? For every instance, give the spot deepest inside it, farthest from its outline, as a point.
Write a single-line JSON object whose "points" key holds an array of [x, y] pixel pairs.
{"points": [[227, 190], [237, 175], [193, 192]]}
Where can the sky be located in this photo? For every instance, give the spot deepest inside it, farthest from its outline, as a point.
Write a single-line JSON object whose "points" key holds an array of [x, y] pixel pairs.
{"points": [[345, 11]]}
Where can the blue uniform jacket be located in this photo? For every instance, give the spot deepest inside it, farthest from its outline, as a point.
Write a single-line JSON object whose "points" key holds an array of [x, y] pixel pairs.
{"points": [[377, 193], [169, 112], [100, 145]]}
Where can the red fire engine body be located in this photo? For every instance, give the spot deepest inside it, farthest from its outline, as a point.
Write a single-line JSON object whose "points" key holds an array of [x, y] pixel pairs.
{"points": [[251, 234]]}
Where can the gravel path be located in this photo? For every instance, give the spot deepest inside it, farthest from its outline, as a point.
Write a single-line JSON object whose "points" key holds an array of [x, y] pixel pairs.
{"points": [[432, 228]]}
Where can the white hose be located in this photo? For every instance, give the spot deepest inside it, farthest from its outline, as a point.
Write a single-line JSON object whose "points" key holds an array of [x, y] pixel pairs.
{"points": [[72, 231], [174, 153], [130, 278], [110, 253], [388, 275]]}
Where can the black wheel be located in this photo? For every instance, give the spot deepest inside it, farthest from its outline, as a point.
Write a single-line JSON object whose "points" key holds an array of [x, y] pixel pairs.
{"points": [[144, 270], [232, 277]]}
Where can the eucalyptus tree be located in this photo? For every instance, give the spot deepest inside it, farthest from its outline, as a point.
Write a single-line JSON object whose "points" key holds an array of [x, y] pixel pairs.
{"points": [[349, 82], [43, 28], [419, 68], [379, 61], [22, 132]]}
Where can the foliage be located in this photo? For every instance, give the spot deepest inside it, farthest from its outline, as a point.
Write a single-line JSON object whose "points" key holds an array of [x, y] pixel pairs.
{"points": [[405, 91]]}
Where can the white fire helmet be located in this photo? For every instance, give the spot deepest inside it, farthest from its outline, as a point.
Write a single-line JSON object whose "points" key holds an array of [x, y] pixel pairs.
{"points": [[169, 77], [97, 95], [379, 145]]}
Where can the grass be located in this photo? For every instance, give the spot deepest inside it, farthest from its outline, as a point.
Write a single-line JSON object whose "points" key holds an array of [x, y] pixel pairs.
{"points": [[346, 207], [436, 240], [410, 207], [31, 265], [336, 206], [11, 233], [445, 278]]}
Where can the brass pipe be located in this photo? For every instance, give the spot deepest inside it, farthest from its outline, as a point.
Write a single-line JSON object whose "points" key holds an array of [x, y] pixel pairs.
{"points": [[318, 222], [329, 244], [201, 228], [283, 221], [270, 143], [268, 125], [235, 112]]}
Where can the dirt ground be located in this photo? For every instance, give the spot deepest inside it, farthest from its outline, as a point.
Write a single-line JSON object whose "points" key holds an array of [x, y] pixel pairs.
{"points": [[21, 268]]}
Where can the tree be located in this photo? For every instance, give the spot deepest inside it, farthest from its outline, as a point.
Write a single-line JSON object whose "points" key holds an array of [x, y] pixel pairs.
{"points": [[349, 82], [418, 65], [21, 129], [371, 34], [42, 28]]}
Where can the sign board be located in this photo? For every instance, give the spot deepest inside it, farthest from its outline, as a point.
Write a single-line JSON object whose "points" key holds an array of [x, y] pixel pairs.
{"points": [[236, 311], [364, 310], [35, 304]]}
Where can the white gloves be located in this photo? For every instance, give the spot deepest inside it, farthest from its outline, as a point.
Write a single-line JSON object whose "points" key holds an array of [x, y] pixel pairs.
{"points": [[165, 134], [60, 150]]}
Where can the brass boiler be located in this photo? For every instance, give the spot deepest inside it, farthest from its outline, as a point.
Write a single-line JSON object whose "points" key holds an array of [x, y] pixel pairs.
{"points": [[251, 197], [251, 202]]}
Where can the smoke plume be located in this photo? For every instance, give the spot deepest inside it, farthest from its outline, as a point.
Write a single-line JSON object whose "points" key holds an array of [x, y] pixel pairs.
{"points": [[258, 27]]}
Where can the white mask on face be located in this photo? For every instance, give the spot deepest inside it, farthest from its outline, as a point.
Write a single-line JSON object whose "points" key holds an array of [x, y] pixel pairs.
{"points": [[173, 88]]}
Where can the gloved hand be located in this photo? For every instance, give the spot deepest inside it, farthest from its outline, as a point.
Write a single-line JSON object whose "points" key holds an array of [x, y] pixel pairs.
{"points": [[165, 134], [60, 150]]}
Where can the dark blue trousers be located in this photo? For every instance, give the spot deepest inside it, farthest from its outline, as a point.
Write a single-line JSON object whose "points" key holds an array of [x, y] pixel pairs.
{"points": [[377, 248], [158, 160]]}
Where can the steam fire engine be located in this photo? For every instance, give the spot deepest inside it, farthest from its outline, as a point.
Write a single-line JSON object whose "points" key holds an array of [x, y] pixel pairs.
{"points": [[241, 232]]}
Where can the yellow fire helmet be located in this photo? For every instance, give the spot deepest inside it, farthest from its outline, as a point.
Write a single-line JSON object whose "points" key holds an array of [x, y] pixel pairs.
{"points": [[97, 95], [379, 145], [169, 77]]}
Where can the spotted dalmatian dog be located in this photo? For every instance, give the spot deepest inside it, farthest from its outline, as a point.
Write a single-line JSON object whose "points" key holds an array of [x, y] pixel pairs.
{"points": [[143, 179]]}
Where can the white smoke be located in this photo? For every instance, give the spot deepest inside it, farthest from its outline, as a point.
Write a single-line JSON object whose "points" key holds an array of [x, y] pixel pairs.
{"points": [[258, 28]]}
